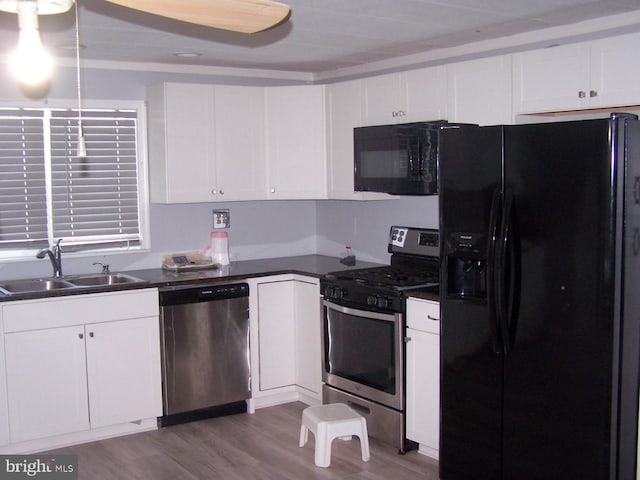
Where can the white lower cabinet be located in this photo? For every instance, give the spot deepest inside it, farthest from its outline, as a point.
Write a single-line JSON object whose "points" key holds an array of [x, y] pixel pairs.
{"points": [[4, 410], [46, 382], [76, 365], [123, 371], [276, 335], [285, 326], [423, 374]]}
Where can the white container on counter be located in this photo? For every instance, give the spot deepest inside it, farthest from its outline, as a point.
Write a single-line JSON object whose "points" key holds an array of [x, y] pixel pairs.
{"points": [[220, 248]]}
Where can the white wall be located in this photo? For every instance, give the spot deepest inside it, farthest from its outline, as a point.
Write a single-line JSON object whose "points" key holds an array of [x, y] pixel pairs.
{"points": [[365, 225], [258, 229]]}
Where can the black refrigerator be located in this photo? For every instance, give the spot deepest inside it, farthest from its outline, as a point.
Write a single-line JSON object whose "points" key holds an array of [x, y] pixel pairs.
{"points": [[540, 300]]}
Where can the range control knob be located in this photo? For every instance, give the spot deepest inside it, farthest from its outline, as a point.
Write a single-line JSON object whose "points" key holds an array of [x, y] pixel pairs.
{"points": [[383, 302], [333, 292], [372, 300]]}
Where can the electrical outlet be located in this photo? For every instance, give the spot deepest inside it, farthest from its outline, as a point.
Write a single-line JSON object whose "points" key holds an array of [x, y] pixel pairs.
{"points": [[221, 218]]}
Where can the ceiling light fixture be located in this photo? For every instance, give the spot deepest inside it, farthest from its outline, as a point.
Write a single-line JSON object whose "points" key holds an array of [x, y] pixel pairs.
{"points": [[187, 54], [30, 62]]}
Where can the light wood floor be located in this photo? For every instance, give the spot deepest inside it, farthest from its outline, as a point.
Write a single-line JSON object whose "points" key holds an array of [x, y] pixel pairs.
{"points": [[262, 446]]}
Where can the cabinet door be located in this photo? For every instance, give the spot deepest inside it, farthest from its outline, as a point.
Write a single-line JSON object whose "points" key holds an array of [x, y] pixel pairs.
{"points": [[551, 79], [384, 99], [239, 144], [479, 91], [276, 333], [344, 113], [4, 410], [426, 94], [307, 336], [615, 67], [423, 389], [295, 142], [46, 382], [123, 365], [181, 150]]}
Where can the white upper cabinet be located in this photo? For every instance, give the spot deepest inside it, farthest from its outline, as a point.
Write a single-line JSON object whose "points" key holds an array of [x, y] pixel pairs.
{"points": [[181, 149], [206, 143], [412, 96], [615, 67], [479, 91], [384, 99], [239, 145], [296, 154], [344, 113], [597, 74], [426, 94], [551, 79]]}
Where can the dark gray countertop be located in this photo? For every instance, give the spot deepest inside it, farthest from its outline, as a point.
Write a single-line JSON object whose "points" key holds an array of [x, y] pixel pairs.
{"points": [[428, 293], [309, 265]]}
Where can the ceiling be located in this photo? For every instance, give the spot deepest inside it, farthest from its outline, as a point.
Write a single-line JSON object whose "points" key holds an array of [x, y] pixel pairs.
{"points": [[320, 35]]}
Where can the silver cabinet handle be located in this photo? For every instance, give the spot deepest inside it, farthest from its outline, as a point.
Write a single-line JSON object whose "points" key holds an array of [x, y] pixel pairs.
{"points": [[221, 192], [435, 319], [214, 192], [81, 336], [273, 190], [593, 93], [582, 94], [407, 339], [91, 334]]}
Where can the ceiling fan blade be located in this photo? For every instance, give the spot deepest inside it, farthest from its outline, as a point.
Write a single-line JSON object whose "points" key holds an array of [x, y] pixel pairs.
{"points": [[246, 16]]}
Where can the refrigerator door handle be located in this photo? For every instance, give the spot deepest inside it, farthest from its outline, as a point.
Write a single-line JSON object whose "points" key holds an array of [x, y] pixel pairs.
{"points": [[504, 276], [494, 315]]}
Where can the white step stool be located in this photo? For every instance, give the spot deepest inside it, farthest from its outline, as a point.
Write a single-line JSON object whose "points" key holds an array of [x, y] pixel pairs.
{"points": [[328, 422]]}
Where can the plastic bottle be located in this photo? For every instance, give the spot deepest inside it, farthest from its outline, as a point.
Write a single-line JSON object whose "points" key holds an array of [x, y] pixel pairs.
{"points": [[220, 248], [348, 257]]}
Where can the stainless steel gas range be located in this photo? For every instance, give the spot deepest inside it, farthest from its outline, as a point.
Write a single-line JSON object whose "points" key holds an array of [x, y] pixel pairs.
{"points": [[363, 332]]}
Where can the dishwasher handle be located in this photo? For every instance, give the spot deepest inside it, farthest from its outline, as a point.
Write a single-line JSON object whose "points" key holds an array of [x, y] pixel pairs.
{"points": [[202, 293]]}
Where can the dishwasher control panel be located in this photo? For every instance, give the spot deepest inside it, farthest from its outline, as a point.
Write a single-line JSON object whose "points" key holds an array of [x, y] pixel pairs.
{"points": [[203, 293]]}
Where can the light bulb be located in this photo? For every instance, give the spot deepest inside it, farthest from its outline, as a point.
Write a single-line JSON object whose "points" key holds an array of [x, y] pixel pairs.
{"points": [[30, 63]]}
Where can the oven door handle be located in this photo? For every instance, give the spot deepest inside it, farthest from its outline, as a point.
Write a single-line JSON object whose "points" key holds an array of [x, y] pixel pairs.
{"points": [[388, 317]]}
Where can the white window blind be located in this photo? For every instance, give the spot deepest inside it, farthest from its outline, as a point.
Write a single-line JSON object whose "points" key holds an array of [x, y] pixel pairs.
{"points": [[23, 214], [90, 202]]}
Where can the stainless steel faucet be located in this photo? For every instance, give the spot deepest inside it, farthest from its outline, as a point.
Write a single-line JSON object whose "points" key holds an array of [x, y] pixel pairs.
{"points": [[55, 255], [105, 267]]}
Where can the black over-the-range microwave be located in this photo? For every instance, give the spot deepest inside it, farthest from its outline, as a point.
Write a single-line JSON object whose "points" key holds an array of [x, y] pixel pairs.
{"points": [[398, 159]]}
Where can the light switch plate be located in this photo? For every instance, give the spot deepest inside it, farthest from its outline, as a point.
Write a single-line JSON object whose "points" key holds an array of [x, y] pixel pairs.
{"points": [[221, 219]]}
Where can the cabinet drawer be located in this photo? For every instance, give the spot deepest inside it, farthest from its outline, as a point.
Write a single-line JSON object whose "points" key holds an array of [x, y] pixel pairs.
{"points": [[79, 309], [423, 315]]}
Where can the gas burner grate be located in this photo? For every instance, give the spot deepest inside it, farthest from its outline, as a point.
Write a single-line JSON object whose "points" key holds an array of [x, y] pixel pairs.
{"points": [[390, 277]]}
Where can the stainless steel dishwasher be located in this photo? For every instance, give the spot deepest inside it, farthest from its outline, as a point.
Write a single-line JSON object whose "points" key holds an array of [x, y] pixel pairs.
{"points": [[205, 351]]}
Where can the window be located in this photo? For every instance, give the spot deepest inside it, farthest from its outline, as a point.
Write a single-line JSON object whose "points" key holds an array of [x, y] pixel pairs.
{"points": [[47, 193]]}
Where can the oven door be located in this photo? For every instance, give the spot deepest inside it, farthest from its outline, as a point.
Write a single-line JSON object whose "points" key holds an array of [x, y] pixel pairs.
{"points": [[363, 353]]}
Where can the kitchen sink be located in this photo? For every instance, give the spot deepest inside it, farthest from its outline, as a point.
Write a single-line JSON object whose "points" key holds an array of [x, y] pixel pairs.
{"points": [[74, 282], [35, 285], [103, 279]]}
